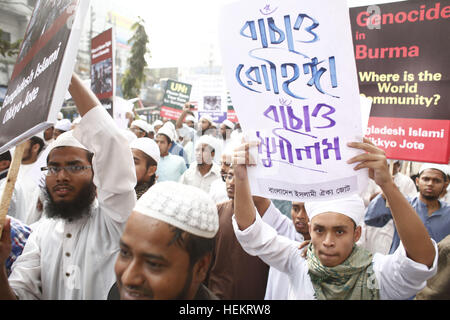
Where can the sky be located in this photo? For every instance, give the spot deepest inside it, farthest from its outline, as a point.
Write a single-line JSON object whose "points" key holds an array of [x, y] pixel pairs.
{"points": [[185, 33]]}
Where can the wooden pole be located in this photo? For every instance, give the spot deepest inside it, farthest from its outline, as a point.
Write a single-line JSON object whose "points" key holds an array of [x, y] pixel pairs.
{"points": [[10, 183], [391, 171]]}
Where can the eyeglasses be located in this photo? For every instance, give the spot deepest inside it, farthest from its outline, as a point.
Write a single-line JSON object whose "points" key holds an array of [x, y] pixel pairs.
{"points": [[53, 171]]}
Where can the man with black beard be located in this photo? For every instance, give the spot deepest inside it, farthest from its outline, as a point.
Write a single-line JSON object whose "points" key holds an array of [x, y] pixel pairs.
{"points": [[90, 193], [166, 248], [434, 213]]}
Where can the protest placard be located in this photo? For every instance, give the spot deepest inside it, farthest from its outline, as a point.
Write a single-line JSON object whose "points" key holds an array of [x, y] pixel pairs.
{"points": [[403, 65], [103, 75], [291, 72], [175, 97], [43, 70]]}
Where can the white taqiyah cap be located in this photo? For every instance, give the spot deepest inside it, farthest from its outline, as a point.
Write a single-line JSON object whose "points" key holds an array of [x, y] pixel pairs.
{"points": [[158, 123], [352, 207], [76, 121], [148, 146], [208, 140], [167, 131], [441, 167], [66, 140], [208, 118], [63, 125], [229, 124], [190, 118], [141, 124], [185, 207]]}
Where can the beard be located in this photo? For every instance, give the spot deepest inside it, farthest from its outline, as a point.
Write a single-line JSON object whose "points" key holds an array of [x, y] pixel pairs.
{"points": [[183, 295], [431, 197], [73, 210]]}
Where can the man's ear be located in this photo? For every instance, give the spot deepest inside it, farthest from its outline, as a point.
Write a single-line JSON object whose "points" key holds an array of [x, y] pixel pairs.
{"points": [[357, 235], [201, 268], [417, 182], [150, 172], [35, 148]]}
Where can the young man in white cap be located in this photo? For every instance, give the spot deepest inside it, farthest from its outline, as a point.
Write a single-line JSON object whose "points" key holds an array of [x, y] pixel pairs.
{"points": [[186, 118], [166, 248], [146, 156], [157, 125], [90, 184], [434, 213], [226, 128], [140, 128], [335, 268], [176, 148], [61, 126], [170, 166], [204, 171]]}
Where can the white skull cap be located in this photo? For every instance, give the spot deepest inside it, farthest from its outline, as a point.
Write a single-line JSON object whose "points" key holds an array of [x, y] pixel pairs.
{"points": [[148, 146], [352, 207], [185, 207]]}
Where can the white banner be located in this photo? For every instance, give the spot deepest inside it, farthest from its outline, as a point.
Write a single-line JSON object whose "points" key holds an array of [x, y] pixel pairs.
{"points": [[291, 72]]}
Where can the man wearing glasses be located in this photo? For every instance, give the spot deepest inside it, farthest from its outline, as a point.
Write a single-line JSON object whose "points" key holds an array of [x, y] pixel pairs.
{"points": [[89, 191]]}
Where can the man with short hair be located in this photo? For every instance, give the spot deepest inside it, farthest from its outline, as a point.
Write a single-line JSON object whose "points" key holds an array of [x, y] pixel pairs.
{"points": [[48, 136], [335, 267], [5, 162], [166, 248], [204, 171], [434, 213], [90, 193], [235, 275], [146, 155], [170, 167]]}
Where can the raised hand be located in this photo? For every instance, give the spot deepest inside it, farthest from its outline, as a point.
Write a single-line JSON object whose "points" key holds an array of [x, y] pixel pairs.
{"points": [[374, 159]]}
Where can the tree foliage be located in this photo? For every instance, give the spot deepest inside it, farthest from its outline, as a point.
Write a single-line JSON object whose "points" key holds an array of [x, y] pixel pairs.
{"points": [[7, 48], [134, 76]]}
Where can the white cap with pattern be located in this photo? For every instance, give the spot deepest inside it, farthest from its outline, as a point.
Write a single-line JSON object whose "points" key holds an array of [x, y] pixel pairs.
{"points": [[185, 207]]}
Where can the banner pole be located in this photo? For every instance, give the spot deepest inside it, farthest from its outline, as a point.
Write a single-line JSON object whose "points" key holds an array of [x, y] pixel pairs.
{"points": [[10, 183]]}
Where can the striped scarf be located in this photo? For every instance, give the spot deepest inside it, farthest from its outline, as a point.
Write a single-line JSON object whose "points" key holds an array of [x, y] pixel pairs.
{"points": [[354, 279]]}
